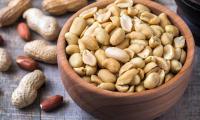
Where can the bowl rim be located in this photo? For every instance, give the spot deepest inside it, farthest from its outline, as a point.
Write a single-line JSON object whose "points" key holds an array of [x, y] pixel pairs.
{"points": [[169, 86]]}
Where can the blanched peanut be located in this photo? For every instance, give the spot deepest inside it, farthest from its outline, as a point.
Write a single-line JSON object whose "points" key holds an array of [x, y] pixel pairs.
{"points": [[122, 88], [179, 42], [136, 80], [149, 66], [168, 77], [138, 62], [71, 49], [172, 29], [158, 51], [150, 18], [90, 70], [75, 60], [90, 21], [71, 38], [169, 52], [117, 36], [131, 89], [162, 77], [84, 31], [157, 30], [145, 29], [90, 42], [124, 44], [112, 65], [164, 21], [136, 35], [106, 76], [155, 69], [177, 55], [115, 10], [175, 66], [124, 3], [130, 52], [87, 79], [127, 66], [96, 79], [132, 11], [78, 25], [101, 56], [81, 46], [145, 53], [137, 21], [115, 20], [88, 13], [151, 81], [127, 77], [102, 36], [154, 41], [91, 30], [126, 23], [141, 73], [150, 59], [117, 54], [89, 58], [137, 48], [167, 38], [183, 57], [139, 88], [138, 41], [102, 16], [107, 86], [123, 12], [109, 27], [80, 71], [142, 8]]}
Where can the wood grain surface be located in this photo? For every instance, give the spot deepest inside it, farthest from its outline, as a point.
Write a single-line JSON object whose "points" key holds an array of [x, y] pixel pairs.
{"points": [[188, 108]]}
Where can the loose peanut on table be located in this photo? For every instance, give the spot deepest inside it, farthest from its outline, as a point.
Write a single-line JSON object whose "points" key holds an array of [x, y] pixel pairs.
{"points": [[125, 47]]}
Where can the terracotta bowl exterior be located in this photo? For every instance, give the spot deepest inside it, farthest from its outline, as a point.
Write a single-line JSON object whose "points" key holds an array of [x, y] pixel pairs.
{"points": [[108, 105]]}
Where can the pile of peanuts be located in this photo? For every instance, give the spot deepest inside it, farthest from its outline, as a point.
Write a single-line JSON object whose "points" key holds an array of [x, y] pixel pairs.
{"points": [[124, 47]]}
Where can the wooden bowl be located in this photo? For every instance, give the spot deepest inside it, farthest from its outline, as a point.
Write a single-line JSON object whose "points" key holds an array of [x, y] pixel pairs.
{"points": [[126, 106]]}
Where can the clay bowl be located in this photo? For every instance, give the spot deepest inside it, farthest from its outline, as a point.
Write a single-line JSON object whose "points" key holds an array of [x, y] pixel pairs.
{"points": [[145, 105]]}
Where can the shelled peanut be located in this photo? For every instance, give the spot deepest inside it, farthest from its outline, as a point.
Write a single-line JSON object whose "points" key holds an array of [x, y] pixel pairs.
{"points": [[125, 47]]}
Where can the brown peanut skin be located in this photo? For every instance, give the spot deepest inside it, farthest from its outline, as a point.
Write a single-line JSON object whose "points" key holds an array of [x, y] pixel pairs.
{"points": [[24, 31], [1, 41], [51, 103], [26, 63]]}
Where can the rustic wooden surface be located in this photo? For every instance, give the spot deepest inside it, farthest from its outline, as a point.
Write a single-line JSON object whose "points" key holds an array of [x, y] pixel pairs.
{"points": [[188, 108]]}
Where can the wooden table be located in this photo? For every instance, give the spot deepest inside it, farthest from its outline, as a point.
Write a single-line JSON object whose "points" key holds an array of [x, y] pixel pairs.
{"points": [[188, 108]]}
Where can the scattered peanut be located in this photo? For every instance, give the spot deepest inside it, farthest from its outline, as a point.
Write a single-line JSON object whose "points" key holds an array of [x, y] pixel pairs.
{"points": [[41, 50], [24, 31], [46, 26], [26, 63], [26, 92], [59, 7], [5, 61], [15, 8]]}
